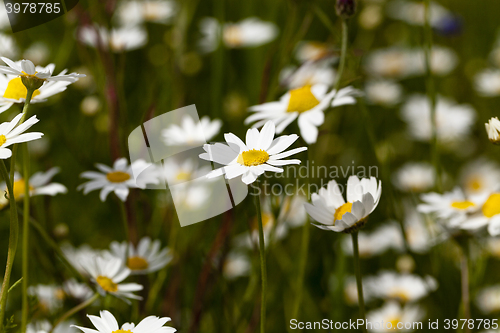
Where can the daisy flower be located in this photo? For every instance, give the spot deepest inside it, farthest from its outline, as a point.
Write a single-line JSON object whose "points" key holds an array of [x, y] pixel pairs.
{"points": [[395, 63], [480, 176], [107, 272], [145, 258], [311, 51], [377, 242], [236, 265], [413, 13], [76, 256], [394, 316], [488, 299], [259, 154], [118, 179], [132, 13], [39, 184], [77, 290], [487, 82], [493, 130], [27, 69], [306, 104], [50, 297], [11, 133], [107, 323], [117, 40], [8, 46], [488, 215], [414, 177], [333, 213], [190, 133], [383, 92], [310, 73]]}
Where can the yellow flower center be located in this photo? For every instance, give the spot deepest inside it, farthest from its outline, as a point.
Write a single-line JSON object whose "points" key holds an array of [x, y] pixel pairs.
{"points": [[345, 208], [475, 184], [301, 100], [400, 294], [122, 331], [107, 284], [267, 219], [137, 263], [18, 188], [253, 157], [492, 206], [232, 36], [394, 322], [117, 176], [16, 90], [3, 139], [183, 176], [462, 204]]}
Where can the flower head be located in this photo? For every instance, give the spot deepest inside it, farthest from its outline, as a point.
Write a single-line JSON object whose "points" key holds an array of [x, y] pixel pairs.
{"points": [[392, 314], [27, 70], [190, 132], [11, 133], [118, 179], [117, 40], [493, 130], [345, 8], [107, 323], [333, 213], [259, 154]]}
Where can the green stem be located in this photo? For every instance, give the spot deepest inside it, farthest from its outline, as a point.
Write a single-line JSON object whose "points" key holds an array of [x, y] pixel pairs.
{"points": [[125, 227], [431, 93], [464, 271], [74, 310], [25, 239], [262, 247], [343, 54], [359, 281], [13, 238]]}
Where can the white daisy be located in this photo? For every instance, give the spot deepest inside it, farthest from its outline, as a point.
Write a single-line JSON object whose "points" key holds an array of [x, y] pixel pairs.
{"points": [[414, 177], [236, 265], [76, 256], [306, 104], [132, 13], [38, 52], [26, 68], [77, 290], [309, 73], [422, 235], [50, 297], [107, 323], [393, 63], [273, 231], [191, 133], [260, 154], [118, 179], [480, 176], [44, 326], [493, 246], [443, 61], [107, 272], [453, 121], [11, 133], [311, 51], [145, 258], [117, 40], [383, 92], [487, 82], [333, 213], [392, 314], [488, 215], [402, 287], [488, 299], [413, 12], [382, 239], [8, 46], [39, 184], [493, 130]]}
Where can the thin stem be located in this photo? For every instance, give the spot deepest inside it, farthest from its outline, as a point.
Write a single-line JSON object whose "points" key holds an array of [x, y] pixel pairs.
{"points": [[74, 310], [343, 54], [431, 93], [125, 227], [262, 248], [359, 281], [13, 238], [464, 270], [25, 239]]}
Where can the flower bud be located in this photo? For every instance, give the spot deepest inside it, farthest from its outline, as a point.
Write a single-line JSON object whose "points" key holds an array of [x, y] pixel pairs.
{"points": [[32, 82], [345, 8], [493, 130]]}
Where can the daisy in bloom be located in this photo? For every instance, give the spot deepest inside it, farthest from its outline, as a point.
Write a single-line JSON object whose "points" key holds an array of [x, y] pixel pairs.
{"points": [[487, 215], [414, 177], [310, 73], [44, 326], [50, 297], [443, 61], [13, 91], [393, 63], [118, 179], [76, 256], [311, 51], [402, 287], [383, 92], [39, 184], [250, 32], [77, 290], [493, 130], [393, 317], [107, 272], [453, 121], [377, 242], [487, 82], [145, 258], [306, 104], [137, 12], [117, 40], [11, 133], [488, 299], [413, 12], [190, 132], [107, 323], [479, 177], [333, 213], [259, 154]]}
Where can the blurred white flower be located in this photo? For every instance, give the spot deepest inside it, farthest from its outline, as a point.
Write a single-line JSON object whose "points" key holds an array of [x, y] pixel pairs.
{"points": [[493, 246], [488, 215], [90, 105], [236, 265], [11, 133], [385, 237], [250, 32], [309, 73], [311, 51], [117, 40], [391, 314], [405, 288], [261, 153], [413, 12], [44, 326], [480, 176], [131, 13], [493, 130], [146, 258], [107, 323], [190, 132], [50, 297], [8, 47], [292, 211], [414, 177], [443, 61], [118, 179], [487, 82], [453, 121], [77, 290], [421, 235], [107, 272], [488, 299], [383, 92], [306, 104], [333, 213], [76, 256], [38, 52]]}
